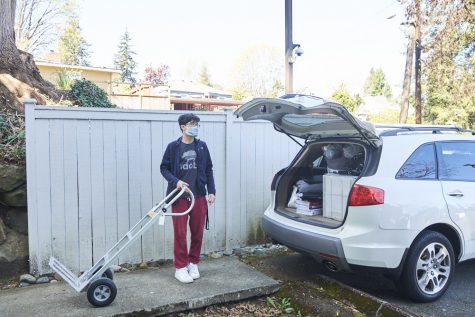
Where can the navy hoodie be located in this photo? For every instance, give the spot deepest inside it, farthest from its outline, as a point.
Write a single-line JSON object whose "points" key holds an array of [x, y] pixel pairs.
{"points": [[171, 162]]}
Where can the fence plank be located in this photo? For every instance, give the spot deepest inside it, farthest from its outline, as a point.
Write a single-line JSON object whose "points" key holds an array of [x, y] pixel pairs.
{"points": [[43, 194], [219, 168], [146, 202], [58, 226], [243, 163], [110, 185], [122, 185], [84, 192], [30, 135], [158, 185], [71, 202], [99, 225], [135, 213]]}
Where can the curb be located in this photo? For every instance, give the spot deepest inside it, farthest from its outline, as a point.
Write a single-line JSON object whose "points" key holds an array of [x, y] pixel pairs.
{"points": [[384, 308]]}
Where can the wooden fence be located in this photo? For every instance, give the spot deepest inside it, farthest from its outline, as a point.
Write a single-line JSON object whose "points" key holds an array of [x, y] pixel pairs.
{"points": [[93, 173]]}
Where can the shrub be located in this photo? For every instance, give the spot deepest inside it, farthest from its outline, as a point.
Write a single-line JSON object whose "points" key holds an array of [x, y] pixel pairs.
{"points": [[85, 93], [12, 138], [65, 79]]}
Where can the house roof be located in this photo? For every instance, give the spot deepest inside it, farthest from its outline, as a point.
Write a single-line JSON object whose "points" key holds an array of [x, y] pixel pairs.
{"points": [[376, 104], [41, 62], [187, 86], [207, 102]]}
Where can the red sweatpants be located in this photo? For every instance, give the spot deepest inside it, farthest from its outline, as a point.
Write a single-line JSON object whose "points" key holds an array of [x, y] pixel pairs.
{"points": [[197, 217]]}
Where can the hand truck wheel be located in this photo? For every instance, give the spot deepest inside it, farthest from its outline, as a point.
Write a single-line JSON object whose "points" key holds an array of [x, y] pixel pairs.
{"points": [[101, 292], [107, 273]]}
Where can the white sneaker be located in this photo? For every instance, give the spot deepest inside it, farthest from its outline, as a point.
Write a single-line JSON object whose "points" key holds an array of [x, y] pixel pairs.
{"points": [[193, 271], [183, 276]]}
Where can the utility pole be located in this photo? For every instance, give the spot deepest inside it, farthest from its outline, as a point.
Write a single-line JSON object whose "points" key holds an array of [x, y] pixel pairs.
{"points": [[406, 86], [289, 46], [417, 65]]}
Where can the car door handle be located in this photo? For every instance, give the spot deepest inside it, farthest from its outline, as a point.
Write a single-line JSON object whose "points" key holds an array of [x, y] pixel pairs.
{"points": [[456, 194]]}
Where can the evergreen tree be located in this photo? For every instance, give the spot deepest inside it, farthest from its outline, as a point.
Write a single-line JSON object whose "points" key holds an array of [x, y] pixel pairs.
{"points": [[73, 48], [124, 60], [204, 76], [376, 84]]}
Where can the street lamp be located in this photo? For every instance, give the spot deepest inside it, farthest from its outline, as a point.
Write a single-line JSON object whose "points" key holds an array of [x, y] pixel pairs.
{"points": [[291, 50]]}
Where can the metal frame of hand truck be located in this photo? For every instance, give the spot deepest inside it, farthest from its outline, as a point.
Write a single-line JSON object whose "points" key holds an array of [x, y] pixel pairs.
{"points": [[98, 270]]}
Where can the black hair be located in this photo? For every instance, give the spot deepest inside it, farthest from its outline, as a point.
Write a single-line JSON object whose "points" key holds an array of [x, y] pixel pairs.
{"points": [[186, 118]]}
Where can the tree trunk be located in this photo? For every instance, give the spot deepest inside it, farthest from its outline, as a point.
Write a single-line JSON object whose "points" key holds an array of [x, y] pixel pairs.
{"points": [[417, 65], [18, 73], [406, 89], [7, 18]]}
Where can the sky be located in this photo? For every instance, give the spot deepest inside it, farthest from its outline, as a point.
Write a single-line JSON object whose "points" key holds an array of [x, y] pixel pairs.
{"points": [[342, 39]]}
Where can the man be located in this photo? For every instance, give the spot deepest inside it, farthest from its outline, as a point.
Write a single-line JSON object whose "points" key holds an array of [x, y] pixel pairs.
{"points": [[187, 161]]}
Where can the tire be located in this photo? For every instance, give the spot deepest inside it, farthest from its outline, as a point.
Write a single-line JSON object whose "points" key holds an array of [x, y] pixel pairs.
{"points": [[107, 273], [101, 292], [429, 267]]}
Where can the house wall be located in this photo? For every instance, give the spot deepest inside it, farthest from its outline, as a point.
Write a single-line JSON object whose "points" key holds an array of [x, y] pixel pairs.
{"points": [[141, 102], [93, 173], [102, 79]]}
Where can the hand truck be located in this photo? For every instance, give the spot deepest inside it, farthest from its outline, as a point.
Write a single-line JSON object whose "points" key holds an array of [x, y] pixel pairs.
{"points": [[101, 290]]}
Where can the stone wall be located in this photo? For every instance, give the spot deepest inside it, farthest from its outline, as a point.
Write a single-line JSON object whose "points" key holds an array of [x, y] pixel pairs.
{"points": [[13, 221]]}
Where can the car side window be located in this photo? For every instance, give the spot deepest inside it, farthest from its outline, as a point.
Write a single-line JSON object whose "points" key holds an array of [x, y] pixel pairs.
{"points": [[420, 165], [457, 161]]}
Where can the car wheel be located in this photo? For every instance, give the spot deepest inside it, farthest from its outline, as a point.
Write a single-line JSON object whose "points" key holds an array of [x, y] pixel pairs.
{"points": [[429, 267]]}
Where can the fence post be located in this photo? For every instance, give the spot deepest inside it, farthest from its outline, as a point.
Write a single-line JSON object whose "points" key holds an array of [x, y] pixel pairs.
{"points": [[32, 212], [228, 142]]}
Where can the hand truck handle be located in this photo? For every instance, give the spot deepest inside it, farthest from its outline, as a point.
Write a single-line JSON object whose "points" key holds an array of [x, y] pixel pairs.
{"points": [[183, 189]]}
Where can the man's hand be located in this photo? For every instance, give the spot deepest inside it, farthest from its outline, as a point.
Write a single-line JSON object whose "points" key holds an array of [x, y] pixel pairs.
{"points": [[211, 199], [180, 184]]}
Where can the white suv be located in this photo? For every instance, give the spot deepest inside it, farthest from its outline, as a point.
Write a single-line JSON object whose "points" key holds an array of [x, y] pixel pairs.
{"points": [[409, 211]]}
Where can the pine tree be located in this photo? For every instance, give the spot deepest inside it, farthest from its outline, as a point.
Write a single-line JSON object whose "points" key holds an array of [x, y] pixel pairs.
{"points": [[124, 60], [73, 48], [204, 76]]}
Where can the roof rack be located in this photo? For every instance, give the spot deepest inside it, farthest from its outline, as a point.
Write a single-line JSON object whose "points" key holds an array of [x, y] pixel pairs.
{"points": [[396, 129]]}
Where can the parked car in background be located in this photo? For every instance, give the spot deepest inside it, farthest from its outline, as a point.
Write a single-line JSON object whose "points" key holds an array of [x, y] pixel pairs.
{"points": [[395, 199]]}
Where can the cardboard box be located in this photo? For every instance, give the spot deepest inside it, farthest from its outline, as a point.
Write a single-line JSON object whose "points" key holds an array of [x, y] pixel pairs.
{"points": [[336, 191]]}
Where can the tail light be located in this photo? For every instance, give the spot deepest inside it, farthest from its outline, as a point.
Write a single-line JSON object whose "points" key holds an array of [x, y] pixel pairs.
{"points": [[366, 196]]}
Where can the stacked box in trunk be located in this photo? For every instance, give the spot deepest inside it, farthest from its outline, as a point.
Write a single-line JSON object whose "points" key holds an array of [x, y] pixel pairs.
{"points": [[336, 190]]}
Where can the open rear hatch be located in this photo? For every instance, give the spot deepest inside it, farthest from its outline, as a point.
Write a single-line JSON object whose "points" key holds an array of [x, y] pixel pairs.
{"points": [[308, 117]]}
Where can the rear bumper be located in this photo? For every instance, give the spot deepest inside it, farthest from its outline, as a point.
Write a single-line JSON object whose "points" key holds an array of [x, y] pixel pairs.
{"points": [[362, 247], [323, 248]]}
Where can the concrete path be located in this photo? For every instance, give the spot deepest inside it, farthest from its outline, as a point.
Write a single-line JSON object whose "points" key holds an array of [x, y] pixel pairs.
{"points": [[153, 291]]}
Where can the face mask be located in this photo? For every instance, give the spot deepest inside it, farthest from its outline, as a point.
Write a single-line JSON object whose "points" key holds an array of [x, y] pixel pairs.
{"points": [[192, 131]]}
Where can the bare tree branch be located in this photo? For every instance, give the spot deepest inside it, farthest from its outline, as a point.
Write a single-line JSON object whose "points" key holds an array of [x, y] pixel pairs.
{"points": [[36, 21]]}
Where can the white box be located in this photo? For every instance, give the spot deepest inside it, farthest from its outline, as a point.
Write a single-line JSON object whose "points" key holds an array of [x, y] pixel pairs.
{"points": [[336, 190]]}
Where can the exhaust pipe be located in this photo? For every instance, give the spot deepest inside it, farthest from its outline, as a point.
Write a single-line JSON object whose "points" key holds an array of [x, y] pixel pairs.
{"points": [[330, 266]]}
